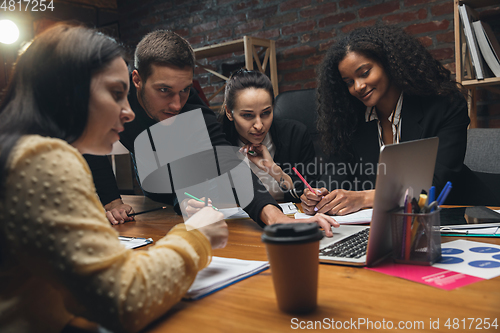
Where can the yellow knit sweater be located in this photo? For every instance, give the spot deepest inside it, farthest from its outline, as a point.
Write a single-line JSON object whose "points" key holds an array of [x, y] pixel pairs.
{"points": [[60, 257]]}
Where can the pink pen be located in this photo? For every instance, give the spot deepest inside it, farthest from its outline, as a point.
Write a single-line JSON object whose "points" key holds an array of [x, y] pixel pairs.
{"points": [[302, 178], [307, 184]]}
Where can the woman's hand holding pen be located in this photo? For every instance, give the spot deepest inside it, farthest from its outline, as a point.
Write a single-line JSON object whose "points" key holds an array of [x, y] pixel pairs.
{"points": [[337, 202], [211, 224], [190, 206], [311, 199], [117, 212], [342, 202]]}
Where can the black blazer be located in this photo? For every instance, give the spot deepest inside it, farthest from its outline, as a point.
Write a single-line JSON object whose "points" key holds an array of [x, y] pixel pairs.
{"points": [[421, 117], [294, 148], [103, 175]]}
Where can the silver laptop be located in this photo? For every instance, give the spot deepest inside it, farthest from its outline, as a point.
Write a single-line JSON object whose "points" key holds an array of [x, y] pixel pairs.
{"points": [[404, 165]]}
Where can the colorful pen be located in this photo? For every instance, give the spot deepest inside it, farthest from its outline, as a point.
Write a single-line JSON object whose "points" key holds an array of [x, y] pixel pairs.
{"points": [[407, 224], [303, 180], [421, 201], [198, 199], [431, 196], [444, 193]]}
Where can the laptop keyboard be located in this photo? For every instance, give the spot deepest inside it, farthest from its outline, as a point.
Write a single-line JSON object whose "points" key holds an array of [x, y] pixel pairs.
{"points": [[353, 246]]}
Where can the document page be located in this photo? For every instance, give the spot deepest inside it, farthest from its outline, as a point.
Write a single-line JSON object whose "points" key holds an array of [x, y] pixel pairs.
{"points": [[361, 217], [221, 273]]}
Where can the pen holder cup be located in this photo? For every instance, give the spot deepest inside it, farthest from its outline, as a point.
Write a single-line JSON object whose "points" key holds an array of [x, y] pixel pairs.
{"points": [[416, 238]]}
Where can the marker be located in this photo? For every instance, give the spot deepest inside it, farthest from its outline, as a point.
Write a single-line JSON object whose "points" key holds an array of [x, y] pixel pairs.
{"points": [[421, 201], [198, 199], [444, 193], [147, 211], [407, 228], [431, 196]]}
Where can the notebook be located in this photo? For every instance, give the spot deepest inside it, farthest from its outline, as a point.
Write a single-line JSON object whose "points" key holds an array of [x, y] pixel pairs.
{"points": [[403, 165], [223, 272], [134, 242]]}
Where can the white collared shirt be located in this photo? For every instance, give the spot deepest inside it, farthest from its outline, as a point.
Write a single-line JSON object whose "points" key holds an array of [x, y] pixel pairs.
{"points": [[394, 118], [267, 180]]}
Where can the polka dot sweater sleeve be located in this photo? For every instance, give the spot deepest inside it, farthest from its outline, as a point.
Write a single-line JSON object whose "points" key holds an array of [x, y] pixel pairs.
{"points": [[55, 229]]}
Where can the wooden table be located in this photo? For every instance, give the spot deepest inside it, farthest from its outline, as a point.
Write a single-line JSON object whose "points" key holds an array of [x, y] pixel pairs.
{"points": [[345, 294]]}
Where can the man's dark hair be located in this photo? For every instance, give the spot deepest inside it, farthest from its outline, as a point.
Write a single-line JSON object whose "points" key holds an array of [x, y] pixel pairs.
{"points": [[162, 47]]}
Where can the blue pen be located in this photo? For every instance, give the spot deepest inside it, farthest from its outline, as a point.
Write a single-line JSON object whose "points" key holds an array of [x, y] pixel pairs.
{"points": [[443, 191], [445, 195], [431, 196]]}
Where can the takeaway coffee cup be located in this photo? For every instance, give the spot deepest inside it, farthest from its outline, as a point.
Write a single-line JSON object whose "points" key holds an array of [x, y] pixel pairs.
{"points": [[293, 252]]}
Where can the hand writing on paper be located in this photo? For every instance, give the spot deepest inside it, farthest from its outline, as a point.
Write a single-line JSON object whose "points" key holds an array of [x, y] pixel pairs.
{"points": [[337, 202], [342, 202], [116, 212], [310, 199], [190, 207], [211, 224]]}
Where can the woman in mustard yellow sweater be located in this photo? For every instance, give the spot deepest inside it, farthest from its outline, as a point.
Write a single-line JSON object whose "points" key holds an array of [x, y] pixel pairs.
{"points": [[67, 97]]}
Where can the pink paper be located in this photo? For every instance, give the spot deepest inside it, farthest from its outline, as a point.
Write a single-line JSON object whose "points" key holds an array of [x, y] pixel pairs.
{"points": [[432, 276]]}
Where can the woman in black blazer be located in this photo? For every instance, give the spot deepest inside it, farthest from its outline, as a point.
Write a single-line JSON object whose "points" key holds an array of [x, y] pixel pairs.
{"points": [[271, 146], [380, 86]]}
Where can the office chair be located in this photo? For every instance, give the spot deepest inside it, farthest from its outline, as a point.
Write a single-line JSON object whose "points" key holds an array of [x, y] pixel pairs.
{"points": [[483, 158], [300, 105]]}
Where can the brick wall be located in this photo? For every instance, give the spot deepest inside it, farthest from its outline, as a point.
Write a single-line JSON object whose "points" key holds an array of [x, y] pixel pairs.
{"points": [[303, 29]]}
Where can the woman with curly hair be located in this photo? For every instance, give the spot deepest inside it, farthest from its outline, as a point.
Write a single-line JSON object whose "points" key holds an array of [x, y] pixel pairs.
{"points": [[380, 86]]}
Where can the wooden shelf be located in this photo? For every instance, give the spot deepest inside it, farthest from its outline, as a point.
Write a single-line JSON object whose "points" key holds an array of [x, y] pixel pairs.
{"points": [[219, 49], [249, 46], [478, 83], [470, 84]]}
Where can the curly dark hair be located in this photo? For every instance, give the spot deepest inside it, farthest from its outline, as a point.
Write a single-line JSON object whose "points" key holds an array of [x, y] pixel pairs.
{"points": [[407, 63]]}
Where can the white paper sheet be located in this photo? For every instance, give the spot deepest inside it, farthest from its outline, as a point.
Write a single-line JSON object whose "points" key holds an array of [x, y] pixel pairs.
{"points": [[472, 258], [134, 242], [221, 273], [361, 217], [288, 208]]}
